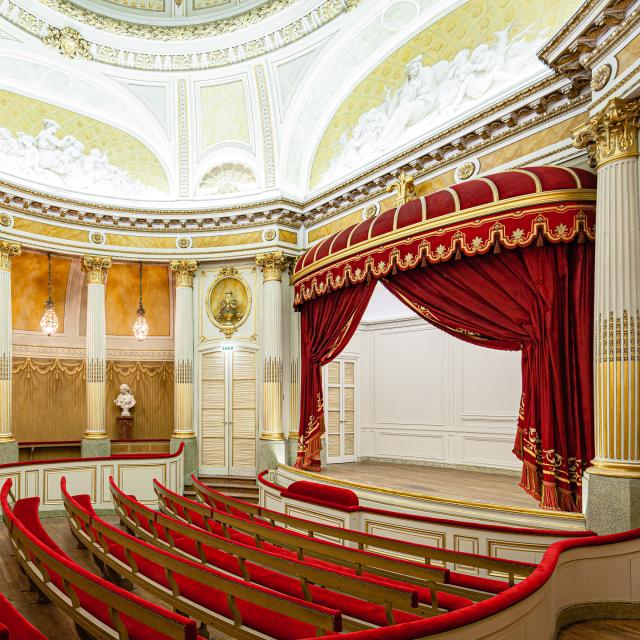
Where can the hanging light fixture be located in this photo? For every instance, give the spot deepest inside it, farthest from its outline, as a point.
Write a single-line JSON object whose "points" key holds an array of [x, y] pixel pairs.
{"points": [[140, 326], [49, 322]]}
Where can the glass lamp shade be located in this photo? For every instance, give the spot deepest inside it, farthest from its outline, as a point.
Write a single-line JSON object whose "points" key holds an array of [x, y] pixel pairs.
{"points": [[140, 326], [49, 322]]}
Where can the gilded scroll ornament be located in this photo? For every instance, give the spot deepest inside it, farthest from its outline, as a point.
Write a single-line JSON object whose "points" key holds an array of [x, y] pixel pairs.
{"points": [[183, 272], [228, 301], [68, 42], [8, 250], [404, 186], [272, 264], [611, 134], [96, 268]]}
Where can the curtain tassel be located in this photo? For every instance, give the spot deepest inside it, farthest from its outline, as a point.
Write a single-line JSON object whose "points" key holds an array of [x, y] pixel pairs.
{"points": [[346, 281], [394, 270], [368, 277], [458, 256], [423, 262], [540, 240], [581, 237], [496, 247]]}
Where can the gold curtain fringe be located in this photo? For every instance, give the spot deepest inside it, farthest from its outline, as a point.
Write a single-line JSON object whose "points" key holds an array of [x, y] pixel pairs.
{"points": [[138, 368], [45, 366]]}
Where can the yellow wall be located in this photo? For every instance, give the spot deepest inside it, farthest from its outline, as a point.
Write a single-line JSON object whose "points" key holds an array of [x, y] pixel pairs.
{"points": [[223, 114]]}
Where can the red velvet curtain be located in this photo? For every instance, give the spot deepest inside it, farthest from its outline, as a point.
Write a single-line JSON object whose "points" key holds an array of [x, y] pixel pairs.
{"points": [[327, 325], [538, 300]]}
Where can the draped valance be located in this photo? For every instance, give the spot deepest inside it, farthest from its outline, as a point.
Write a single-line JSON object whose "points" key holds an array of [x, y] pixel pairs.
{"points": [[510, 209]]}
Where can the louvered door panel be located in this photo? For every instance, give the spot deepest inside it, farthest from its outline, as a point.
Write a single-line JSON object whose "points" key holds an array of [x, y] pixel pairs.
{"points": [[212, 423], [243, 410]]}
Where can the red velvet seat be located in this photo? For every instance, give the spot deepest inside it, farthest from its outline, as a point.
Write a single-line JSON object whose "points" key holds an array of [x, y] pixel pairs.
{"points": [[13, 626]]}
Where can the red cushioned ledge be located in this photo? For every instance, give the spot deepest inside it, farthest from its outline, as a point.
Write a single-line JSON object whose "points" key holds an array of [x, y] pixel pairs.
{"points": [[302, 490], [13, 626]]}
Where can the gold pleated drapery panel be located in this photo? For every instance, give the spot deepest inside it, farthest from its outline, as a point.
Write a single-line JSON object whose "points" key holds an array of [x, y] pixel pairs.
{"points": [[49, 398]]}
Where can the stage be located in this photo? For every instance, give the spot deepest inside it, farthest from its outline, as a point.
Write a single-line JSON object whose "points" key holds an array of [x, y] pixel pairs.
{"points": [[479, 496]]}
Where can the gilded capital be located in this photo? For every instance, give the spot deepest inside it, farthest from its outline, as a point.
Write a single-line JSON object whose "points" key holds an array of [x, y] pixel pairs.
{"points": [[611, 134], [7, 251], [183, 272], [96, 268], [272, 264]]}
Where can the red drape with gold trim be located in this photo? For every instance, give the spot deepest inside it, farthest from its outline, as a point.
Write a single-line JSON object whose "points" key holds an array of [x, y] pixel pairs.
{"points": [[538, 300], [327, 325]]}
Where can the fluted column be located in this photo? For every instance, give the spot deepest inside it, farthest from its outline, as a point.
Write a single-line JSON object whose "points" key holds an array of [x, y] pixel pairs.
{"points": [[96, 269], [272, 265], [611, 137], [8, 445], [294, 397], [183, 432], [183, 272]]}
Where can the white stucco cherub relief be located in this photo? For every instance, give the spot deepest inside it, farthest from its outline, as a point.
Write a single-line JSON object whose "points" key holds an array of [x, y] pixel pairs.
{"points": [[62, 162], [433, 94], [125, 401]]}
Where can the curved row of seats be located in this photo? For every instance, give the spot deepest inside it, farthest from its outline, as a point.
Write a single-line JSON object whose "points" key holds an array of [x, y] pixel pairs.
{"points": [[14, 626], [100, 608]]}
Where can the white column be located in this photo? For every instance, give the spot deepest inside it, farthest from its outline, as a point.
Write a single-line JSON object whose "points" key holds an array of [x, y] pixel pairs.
{"points": [[183, 272], [612, 139], [272, 265], [294, 392], [8, 250], [96, 269]]}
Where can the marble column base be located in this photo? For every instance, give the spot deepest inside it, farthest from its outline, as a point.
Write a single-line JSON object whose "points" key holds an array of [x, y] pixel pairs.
{"points": [[270, 453], [95, 448], [613, 504], [190, 455], [292, 451], [8, 452]]}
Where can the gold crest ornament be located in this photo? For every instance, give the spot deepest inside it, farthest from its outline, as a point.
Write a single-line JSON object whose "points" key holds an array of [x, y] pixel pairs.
{"points": [[404, 186], [68, 42], [228, 301]]}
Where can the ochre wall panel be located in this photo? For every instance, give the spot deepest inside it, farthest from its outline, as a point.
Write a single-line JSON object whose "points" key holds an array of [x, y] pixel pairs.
{"points": [[49, 400], [152, 386], [628, 55], [121, 299], [29, 289]]}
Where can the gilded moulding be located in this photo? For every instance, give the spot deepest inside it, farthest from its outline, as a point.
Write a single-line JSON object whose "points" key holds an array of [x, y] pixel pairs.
{"points": [[68, 42], [8, 250], [184, 271], [612, 134]]}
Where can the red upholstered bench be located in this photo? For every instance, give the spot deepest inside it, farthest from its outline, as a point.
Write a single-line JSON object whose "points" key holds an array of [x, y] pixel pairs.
{"points": [[322, 494], [13, 626]]}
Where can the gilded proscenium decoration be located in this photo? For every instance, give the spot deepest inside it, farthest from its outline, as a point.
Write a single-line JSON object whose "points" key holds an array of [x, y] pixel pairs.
{"points": [[600, 77], [272, 265], [8, 250], [404, 186], [68, 42], [611, 134], [96, 268], [228, 301], [184, 271]]}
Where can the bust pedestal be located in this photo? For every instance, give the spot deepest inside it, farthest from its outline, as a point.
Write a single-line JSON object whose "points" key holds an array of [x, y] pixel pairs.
{"points": [[125, 427]]}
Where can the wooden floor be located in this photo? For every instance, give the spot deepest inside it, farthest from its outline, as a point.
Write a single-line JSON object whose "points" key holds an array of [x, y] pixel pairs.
{"points": [[475, 486], [57, 626]]}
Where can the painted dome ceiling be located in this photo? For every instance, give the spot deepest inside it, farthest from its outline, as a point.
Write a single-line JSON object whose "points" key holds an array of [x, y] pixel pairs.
{"points": [[184, 103]]}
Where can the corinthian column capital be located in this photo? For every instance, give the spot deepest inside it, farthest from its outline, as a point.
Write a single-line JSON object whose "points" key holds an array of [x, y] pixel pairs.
{"points": [[96, 268], [183, 271], [272, 265], [8, 250], [612, 134]]}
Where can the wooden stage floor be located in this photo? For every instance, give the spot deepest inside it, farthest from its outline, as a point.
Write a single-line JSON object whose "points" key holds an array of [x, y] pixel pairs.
{"points": [[456, 484]]}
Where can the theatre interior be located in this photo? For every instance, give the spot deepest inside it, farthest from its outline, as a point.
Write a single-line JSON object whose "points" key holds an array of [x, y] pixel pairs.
{"points": [[319, 318]]}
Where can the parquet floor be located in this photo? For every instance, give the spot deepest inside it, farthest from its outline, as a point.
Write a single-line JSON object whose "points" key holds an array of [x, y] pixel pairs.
{"points": [[457, 484], [602, 630]]}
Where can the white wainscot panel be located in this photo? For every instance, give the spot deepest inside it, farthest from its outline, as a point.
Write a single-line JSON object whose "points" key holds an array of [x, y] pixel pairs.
{"points": [[411, 446], [411, 381], [79, 480], [492, 450], [138, 480], [491, 383]]}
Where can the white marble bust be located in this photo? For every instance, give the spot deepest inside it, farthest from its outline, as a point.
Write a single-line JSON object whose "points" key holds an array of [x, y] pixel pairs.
{"points": [[125, 401]]}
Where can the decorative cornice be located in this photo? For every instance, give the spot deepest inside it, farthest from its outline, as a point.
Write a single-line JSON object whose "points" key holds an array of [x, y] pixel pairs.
{"points": [[71, 353], [96, 268], [272, 265], [612, 134], [184, 271], [8, 250], [68, 42]]}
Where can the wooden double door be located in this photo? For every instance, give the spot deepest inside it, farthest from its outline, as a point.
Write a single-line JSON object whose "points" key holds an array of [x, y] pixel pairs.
{"points": [[228, 412]]}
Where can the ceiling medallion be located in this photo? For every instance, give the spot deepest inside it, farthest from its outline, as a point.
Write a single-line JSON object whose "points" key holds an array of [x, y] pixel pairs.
{"points": [[268, 235], [466, 170], [5, 220], [184, 242], [97, 237], [228, 301], [600, 77], [68, 42], [371, 210]]}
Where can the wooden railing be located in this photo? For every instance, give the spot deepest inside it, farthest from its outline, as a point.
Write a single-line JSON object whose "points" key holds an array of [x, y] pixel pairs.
{"points": [[41, 565], [134, 515], [366, 541], [95, 535], [360, 561]]}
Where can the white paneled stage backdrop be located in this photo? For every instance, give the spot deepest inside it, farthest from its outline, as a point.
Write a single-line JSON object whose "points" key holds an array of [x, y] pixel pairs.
{"points": [[425, 396]]}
